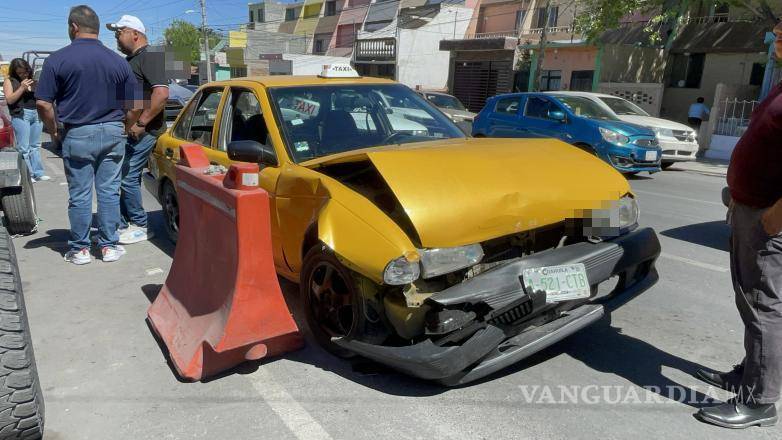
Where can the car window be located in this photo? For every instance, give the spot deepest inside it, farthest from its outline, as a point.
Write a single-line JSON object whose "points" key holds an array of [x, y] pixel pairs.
{"points": [[203, 121], [321, 120], [586, 108], [182, 128], [445, 101], [539, 107], [243, 119], [507, 106], [623, 107]]}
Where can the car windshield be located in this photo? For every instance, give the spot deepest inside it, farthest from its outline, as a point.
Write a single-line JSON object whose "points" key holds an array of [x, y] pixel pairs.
{"points": [[623, 107], [585, 108], [322, 120], [445, 101]]}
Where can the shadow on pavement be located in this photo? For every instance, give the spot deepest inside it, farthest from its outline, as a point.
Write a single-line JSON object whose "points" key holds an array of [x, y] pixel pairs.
{"points": [[638, 177], [602, 347], [55, 239], [714, 234]]}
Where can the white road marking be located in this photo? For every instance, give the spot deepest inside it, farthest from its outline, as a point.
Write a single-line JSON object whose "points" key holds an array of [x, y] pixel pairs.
{"points": [[293, 415], [154, 271], [686, 199], [695, 263]]}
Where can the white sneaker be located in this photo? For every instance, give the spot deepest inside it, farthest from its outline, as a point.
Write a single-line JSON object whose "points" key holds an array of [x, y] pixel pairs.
{"points": [[112, 253], [134, 234], [43, 178], [79, 257]]}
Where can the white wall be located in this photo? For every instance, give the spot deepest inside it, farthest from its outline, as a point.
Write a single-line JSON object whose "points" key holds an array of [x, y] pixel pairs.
{"points": [[311, 64], [421, 62]]}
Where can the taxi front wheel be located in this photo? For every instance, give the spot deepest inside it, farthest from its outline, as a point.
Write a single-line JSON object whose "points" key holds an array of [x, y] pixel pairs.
{"points": [[170, 211], [333, 304]]}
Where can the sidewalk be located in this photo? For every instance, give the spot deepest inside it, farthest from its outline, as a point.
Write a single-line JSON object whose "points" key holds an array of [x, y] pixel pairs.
{"points": [[709, 167]]}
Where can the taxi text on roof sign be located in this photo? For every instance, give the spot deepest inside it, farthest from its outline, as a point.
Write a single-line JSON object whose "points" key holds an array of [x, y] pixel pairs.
{"points": [[338, 71]]}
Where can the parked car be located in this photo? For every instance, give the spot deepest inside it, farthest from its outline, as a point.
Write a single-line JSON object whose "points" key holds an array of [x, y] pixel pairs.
{"points": [[679, 142], [443, 256], [578, 121], [452, 107], [177, 99]]}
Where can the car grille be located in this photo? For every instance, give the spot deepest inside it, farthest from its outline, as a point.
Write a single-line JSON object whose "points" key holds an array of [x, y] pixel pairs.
{"points": [[650, 143], [679, 152], [514, 315]]}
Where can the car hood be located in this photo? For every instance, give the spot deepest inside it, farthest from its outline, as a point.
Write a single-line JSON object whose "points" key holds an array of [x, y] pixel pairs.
{"points": [[458, 113], [650, 121], [462, 191], [625, 128]]}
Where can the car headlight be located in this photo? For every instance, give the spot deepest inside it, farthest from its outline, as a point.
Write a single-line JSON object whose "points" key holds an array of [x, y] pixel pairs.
{"points": [[614, 137], [403, 270], [628, 212], [663, 132], [440, 261], [620, 217]]}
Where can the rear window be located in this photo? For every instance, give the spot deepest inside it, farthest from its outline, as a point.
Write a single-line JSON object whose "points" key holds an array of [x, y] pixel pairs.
{"points": [[507, 106]]}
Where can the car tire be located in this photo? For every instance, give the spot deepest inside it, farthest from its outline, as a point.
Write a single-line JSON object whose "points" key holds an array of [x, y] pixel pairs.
{"points": [[21, 404], [354, 320], [170, 204], [19, 205], [666, 165]]}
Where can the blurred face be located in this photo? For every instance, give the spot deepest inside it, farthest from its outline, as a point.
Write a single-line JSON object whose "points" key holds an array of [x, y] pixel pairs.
{"points": [[778, 33], [22, 73], [126, 40]]}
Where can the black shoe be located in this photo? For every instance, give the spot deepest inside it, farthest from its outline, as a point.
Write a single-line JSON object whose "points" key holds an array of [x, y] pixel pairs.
{"points": [[729, 381], [736, 415]]}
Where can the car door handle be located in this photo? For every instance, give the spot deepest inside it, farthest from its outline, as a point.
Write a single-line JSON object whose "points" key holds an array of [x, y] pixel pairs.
{"points": [[169, 153]]}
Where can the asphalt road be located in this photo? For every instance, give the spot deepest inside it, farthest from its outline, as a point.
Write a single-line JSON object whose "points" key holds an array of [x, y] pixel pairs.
{"points": [[104, 375]]}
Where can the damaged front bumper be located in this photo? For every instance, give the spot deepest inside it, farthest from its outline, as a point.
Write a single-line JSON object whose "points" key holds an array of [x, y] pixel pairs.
{"points": [[518, 324]]}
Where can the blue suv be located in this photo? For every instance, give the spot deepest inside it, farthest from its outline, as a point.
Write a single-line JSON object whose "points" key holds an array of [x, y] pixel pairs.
{"points": [[578, 121]]}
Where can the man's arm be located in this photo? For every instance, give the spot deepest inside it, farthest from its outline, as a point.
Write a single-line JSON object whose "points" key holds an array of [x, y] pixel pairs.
{"points": [[46, 113]]}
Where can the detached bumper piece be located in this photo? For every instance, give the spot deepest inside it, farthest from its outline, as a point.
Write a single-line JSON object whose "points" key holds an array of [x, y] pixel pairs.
{"points": [[516, 324]]}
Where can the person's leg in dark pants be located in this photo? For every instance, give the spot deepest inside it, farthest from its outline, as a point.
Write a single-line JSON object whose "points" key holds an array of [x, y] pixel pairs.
{"points": [[756, 269], [134, 217]]}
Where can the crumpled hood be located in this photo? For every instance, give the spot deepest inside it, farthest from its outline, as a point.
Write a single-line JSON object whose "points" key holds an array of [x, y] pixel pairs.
{"points": [[465, 191]]}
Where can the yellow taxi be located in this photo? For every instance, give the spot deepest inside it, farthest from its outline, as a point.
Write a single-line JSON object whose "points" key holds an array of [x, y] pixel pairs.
{"points": [[443, 256]]}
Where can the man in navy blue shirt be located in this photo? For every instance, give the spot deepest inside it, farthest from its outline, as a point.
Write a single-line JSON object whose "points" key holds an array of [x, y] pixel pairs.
{"points": [[92, 87]]}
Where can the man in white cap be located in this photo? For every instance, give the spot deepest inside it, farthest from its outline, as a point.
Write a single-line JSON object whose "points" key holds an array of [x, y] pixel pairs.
{"points": [[143, 126]]}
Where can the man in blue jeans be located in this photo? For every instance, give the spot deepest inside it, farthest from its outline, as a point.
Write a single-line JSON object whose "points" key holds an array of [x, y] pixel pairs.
{"points": [[91, 86], [144, 126]]}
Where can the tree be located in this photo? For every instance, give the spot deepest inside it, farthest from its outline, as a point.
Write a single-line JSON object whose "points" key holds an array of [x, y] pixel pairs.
{"points": [[185, 38], [598, 16]]}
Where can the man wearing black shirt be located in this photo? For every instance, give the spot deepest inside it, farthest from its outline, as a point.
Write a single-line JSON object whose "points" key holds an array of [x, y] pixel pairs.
{"points": [[144, 126]]}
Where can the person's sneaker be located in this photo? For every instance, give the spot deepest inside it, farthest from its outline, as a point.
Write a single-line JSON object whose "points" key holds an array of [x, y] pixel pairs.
{"points": [[112, 253], [79, 257], [134, 234], [43, 178]]}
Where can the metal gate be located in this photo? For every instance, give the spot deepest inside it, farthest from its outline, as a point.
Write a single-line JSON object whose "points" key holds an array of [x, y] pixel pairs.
{"points": [[476, 81]]}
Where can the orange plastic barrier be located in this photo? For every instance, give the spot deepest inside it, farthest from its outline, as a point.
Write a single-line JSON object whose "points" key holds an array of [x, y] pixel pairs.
{"points": [[221, 304]]}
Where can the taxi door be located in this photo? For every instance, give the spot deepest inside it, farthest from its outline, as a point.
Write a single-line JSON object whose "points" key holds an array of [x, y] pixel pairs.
{"points": [[244, 116]]}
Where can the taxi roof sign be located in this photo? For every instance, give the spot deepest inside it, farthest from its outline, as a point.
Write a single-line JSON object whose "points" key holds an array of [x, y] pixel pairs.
{"points": [[338, 71]]}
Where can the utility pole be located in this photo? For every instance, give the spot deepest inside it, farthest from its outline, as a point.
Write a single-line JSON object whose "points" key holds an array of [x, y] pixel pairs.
{"points": [[206, 42], [542, 47]]}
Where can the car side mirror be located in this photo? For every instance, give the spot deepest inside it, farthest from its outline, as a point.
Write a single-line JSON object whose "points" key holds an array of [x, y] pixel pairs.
{"points": [[557, 115], [252, 151]]}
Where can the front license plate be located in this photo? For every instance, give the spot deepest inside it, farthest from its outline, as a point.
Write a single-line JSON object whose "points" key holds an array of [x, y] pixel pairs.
{"points": [[651, 155], [560, 283]]}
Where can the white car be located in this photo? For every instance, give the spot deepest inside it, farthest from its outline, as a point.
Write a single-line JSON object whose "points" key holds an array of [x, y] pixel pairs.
{"points": [[679, 142]]}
